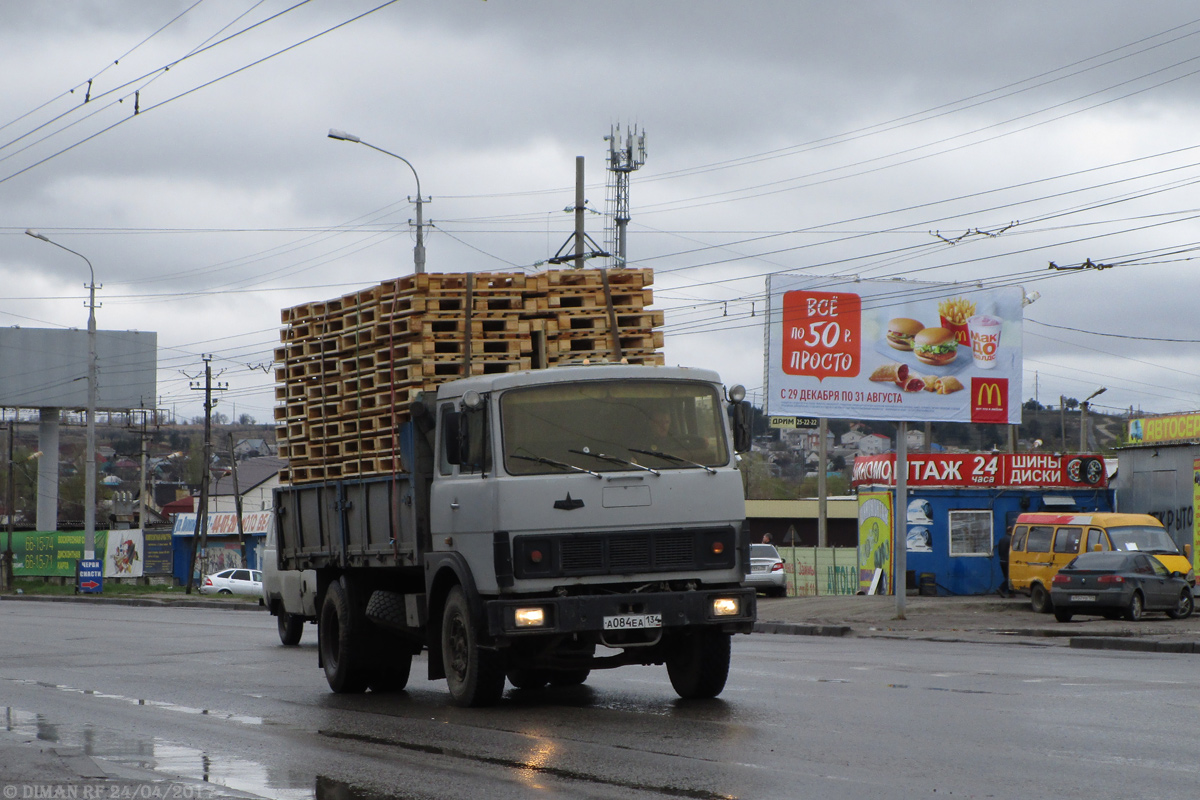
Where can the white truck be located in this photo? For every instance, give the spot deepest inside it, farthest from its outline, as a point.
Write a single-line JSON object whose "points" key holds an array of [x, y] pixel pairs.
{"points": [[548, 523]]}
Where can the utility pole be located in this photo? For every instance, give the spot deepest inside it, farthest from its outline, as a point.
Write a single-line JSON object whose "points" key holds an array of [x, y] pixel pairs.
{"points": [[200, 536], [12, 507], [144, 439], [580, 202], [237, 501]]}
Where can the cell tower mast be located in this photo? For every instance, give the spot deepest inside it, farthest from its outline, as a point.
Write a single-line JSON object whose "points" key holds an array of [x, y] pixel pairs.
{"points": [[622, 160]]}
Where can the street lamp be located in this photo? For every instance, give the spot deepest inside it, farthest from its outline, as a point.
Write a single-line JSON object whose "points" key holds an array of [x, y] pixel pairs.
{"points": [[89, 489], [1083, 412], [419, 250]]}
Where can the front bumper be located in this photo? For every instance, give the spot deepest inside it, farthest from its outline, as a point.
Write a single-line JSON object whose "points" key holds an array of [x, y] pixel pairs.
{"points": [[586, 613]]}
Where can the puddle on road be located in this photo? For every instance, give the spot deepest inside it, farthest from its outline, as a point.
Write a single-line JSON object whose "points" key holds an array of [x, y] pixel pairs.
{"points": [[175, 760], [171, 759]]}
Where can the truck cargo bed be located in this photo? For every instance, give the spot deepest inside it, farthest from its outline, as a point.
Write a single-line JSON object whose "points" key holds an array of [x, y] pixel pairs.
{"points": [[349, 523]]}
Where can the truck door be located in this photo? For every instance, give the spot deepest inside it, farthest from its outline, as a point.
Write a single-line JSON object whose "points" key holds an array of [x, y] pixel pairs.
{"points": [[463, 494]]}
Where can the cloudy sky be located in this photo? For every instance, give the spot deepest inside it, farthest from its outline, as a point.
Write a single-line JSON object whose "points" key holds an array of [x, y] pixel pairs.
{"points": [[181, 146]]}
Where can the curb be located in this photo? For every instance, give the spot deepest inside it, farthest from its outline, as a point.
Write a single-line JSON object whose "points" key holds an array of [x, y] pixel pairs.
{"points": [[1132, 645], [156, 602], [797, 629]]}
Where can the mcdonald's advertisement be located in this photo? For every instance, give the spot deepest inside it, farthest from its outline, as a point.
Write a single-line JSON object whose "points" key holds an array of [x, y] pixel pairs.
{"points": [[893, 350]]}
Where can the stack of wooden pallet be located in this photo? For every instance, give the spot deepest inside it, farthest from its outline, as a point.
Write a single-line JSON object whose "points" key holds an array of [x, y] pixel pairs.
{"points": [[348, 368]]}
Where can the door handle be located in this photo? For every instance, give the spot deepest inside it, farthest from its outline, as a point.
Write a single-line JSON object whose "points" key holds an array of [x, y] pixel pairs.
{"points": [[454, 505]]}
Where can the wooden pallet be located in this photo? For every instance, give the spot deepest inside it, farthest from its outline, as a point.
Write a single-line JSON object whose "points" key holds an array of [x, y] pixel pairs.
{"points": [[348, 368]]}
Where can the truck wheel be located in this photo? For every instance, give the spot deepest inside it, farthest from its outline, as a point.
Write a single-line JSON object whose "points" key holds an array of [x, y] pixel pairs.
{"points": [[570, 677], [291, 628], [391, 670], [474, 675], [698, 664], [528, 678], [341, 651]]}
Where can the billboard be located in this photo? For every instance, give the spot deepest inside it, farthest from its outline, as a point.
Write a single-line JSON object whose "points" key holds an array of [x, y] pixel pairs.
{"points": [[45, 368], [893, 350]]}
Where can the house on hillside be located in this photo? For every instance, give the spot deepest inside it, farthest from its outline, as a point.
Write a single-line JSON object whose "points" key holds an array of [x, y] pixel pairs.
{"points": [[851, 438], [874, 444], [256, 479], [252, 448]]}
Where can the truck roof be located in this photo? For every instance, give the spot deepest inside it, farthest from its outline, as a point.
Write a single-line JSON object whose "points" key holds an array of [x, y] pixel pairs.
{"points": [[566, 374]]}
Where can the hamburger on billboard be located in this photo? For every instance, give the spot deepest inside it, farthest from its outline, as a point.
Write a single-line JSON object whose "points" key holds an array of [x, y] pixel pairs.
{"points": [[893, 350]]}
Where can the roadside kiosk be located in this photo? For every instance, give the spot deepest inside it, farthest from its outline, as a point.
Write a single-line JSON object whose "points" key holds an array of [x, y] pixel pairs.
{"points": [[959, 507]]}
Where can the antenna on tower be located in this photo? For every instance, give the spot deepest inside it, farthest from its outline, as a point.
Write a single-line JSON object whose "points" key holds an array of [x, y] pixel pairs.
{"points": [[622, 160]]}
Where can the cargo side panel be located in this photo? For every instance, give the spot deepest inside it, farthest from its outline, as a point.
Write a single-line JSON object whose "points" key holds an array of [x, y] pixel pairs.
{"points": [[379, 522], [309, 529]]}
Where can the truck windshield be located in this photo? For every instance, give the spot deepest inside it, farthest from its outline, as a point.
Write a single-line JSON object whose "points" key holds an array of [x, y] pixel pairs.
{"points": [[613, 426], [1146, 538]]}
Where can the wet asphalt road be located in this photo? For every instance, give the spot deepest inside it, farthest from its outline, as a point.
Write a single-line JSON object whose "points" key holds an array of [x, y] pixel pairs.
{"points": [[206, 695]]}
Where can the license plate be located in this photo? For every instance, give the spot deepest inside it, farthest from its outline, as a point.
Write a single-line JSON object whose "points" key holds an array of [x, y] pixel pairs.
{"points": [[1083, 598], [629, 622], [758, 568]]}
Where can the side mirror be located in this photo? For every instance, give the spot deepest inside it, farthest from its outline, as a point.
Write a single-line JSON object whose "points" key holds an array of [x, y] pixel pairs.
{"points": [[1187, 552], [740, 418]]}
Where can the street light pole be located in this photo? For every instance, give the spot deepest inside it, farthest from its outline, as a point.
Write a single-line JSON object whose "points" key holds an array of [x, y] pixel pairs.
{"points": [[419, 250], [1083, 418], [89, 489]]}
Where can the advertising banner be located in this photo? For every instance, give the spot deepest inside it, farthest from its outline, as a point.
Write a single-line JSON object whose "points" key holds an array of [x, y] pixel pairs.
{"points": [[988, 470], [1196, 513], [157, 554], [1165, 429], [875, 536], [54, 553], [893, 350], [224, 523]]}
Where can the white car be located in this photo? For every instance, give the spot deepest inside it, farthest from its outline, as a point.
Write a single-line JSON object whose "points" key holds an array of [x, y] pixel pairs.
{"points": [[766, 571], [233, 581]]}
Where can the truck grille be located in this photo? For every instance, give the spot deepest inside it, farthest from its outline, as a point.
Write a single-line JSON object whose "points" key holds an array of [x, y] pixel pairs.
{"points": [[623, 553]]}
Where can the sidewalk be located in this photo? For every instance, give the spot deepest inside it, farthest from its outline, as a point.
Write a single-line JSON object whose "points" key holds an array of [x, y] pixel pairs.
{"points": [[988, 618]]}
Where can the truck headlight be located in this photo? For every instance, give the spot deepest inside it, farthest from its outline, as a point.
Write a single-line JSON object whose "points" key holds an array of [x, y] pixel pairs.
{"points": [[530, 617], [726, 607]]}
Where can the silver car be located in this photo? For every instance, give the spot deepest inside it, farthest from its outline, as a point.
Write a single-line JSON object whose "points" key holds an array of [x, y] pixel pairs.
{"points": [[766, 571]]}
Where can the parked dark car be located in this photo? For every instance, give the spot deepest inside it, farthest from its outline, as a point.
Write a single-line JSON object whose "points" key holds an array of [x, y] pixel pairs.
{"points": [[1113, 584]]}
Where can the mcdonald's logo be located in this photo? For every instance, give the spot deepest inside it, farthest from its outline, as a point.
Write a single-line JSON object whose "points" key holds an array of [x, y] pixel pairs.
{"points": [[989, 400]]}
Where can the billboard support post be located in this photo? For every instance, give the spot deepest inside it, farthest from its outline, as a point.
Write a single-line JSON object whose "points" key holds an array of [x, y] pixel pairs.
{"points": [[900, 520]]}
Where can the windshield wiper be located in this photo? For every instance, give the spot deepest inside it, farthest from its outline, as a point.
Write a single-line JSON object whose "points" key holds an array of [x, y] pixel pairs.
{"points": [[559, 464], [616, 460], [675, 458]]}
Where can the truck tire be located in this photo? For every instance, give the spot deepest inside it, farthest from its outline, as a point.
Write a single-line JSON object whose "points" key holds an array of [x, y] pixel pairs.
{"points": [[528, 678], [391, 670], [474, 675], [698, 664], [569, 677], [340, 633], [291, 628]]}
